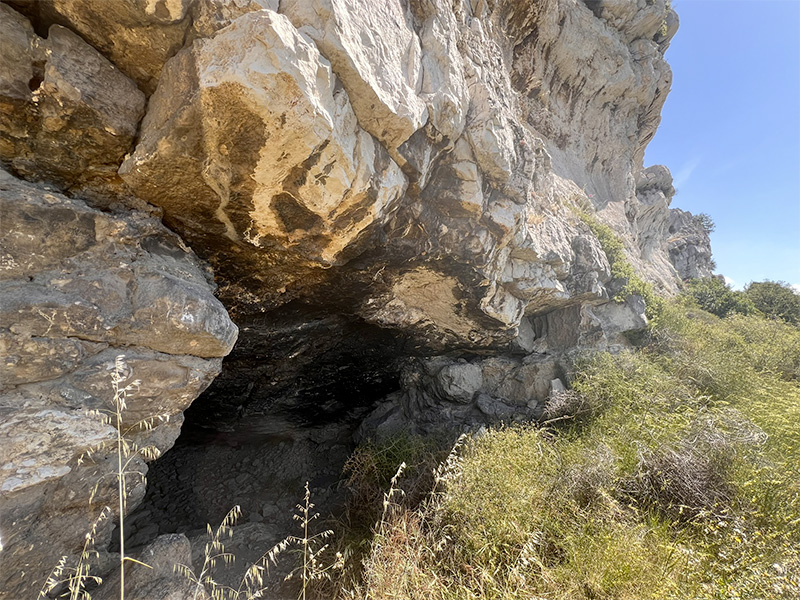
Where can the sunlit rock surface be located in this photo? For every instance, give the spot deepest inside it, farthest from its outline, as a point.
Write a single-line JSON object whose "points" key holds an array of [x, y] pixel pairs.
{"points": [[80, 287], [390, 196]]}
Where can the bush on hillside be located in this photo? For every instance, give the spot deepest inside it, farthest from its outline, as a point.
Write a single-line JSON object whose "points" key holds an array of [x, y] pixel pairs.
{"points": [[705, 221], [715, 296], [776, 300], [670, 472]]}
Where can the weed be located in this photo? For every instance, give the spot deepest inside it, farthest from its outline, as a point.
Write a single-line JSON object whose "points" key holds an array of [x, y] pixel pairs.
{"points": [[672, 473], [128, 455], [621, 268], [74, 579], [253, 584], [312, 547]]}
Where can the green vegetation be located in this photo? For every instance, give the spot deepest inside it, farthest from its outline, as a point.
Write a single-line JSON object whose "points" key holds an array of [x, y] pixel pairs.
{"points": [[680, 479], [666, 473], [774, 300], [621, 268], [705, 221], [712, 294]]}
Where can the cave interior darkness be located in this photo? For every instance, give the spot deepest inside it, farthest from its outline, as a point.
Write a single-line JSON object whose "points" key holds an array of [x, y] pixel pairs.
{"points": [[282, 412]]}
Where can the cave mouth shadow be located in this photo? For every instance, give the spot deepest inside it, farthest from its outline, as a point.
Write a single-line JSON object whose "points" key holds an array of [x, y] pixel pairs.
{"points": [[282, 412]]}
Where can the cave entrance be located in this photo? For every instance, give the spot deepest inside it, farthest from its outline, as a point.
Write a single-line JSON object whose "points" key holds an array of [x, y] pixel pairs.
{"points": [[282, 412]]}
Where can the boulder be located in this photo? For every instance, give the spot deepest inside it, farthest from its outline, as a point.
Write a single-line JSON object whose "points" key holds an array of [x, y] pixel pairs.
{"points": [[69, 115], [374, 50], [253, 150], [81, 287], [138, 36]]}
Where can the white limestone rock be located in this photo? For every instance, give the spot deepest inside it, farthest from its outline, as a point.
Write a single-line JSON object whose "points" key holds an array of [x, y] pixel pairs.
{"points": [[249, 130], [375, 52], [79, 288]]}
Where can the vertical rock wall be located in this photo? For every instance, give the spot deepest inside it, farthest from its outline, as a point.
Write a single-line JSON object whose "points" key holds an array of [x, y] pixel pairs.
{"points": [[387, 191], [80, 287]]}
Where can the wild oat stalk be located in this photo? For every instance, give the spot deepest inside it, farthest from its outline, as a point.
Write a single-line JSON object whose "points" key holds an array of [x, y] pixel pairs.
{"points": [[312, 546], [76, 578], [389, 503], [126, 449], [214, 553], [252, 585]]}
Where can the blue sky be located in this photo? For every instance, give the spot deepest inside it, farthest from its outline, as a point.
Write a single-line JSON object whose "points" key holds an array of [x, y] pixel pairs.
{"points": [[730, 131]]}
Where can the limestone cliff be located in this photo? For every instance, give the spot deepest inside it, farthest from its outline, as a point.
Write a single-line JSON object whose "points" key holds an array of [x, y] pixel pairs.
{"points": [[390, 195]]}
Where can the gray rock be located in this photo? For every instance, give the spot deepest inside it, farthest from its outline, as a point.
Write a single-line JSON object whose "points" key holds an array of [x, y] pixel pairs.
{"points": [[138, 37], [689, 246], [70, 306], [458, 382], [158, 580]]}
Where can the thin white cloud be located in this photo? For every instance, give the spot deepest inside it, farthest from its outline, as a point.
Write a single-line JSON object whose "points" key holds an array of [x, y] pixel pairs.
{"points": [[729, 281], [685, 172], [796, 287]]}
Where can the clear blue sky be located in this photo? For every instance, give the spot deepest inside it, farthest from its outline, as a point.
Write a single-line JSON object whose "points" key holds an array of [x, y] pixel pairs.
{"points": [[730, 131]]}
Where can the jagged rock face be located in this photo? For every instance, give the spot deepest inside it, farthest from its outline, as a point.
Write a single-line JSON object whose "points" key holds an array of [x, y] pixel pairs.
{"points": [[139, 36], [80, 287], [69, 116], [453, 394], [279, 159], [688, 245], [390, 196], [253, 153]]}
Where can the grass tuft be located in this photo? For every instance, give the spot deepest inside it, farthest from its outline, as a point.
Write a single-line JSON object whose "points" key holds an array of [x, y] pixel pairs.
{"points": [[670, 472]]}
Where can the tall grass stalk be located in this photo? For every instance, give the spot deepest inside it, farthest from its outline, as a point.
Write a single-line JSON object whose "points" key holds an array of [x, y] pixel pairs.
{"points": [[75, 579], [127, 451]]}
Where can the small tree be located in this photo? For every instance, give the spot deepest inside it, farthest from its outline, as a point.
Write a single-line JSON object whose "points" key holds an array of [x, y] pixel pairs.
{"points": [[715, 296], [776, 300], [705, 221]]}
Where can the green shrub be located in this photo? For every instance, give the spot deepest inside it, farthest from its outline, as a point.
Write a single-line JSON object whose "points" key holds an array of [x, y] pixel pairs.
{"points": [[712, 294], [621, 268], [776, 300], [680, 479], [705, 221]]}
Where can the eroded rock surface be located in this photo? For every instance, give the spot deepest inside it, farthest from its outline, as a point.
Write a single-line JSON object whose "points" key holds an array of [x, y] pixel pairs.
{"points": [[689, 245], [80, 287], [270, 161], [391, 197], [68, 115], [429, 165]]}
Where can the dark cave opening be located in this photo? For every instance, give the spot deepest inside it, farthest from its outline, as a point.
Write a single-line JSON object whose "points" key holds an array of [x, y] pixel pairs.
{"points": [[282, 412]]}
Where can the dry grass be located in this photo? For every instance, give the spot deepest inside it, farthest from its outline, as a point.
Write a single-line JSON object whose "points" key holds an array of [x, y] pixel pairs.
{"points": [[669, 473], [74, 581]]}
